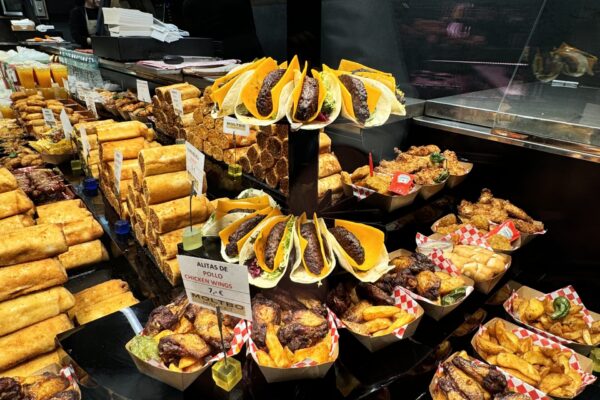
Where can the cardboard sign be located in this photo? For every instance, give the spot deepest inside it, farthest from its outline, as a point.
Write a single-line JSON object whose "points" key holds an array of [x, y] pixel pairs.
{"points": [[401, 183], [90, 103], [194, 164], [49, 116], [66, 124], [233, 126], [85, 144], [118, 168], [143, 93], [213, 284], [176, 100]]}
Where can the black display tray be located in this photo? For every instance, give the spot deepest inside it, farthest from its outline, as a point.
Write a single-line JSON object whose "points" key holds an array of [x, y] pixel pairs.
{"points": [[147, 48]]}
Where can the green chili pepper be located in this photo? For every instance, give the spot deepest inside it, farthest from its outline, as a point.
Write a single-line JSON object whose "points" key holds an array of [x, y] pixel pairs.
{"points": [[454, 296], [561, 305], [437, 158], [442, 177], [12, 155]]}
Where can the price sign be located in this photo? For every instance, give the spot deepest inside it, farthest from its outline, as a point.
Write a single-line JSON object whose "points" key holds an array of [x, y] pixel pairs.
{"points": [[66, 124], [66, 85], [194, 164], [118, 168], [233, 126], [49, 116], [143, 93], [13, 75], [176, 100], [213, 284], [85, 144], [90, 103]]}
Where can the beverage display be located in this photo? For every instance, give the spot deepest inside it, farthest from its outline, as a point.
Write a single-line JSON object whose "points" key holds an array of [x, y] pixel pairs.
{"points": [[59, 72], [25, 75], [42, 75]]}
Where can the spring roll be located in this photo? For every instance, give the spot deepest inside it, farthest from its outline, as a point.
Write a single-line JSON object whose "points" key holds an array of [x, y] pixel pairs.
{"points": [[64, 216], [167, 243], [121, 131], [16, 222], [13, 203], [84, 230], [98, 293], [83, 254], [21, 279], [328, 165], [32, 243], [162, 160], [105, 307], [170, 269], [175, 214], [32, 341], [8, 182], [130, 148], [60, 206], [166, 187], [33, 366], [30, 309]]}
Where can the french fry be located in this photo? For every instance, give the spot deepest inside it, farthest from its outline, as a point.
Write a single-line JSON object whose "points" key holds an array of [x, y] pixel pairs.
{"points": [[374, 312], [507, 339], [289, 354], [377, 325], [185, 326], [399, 321], [519, 375], [162, 334], [174, 368], [515, 362], [275, 348], [552, 382], [264, 359], [185, 362], [319, 353]]}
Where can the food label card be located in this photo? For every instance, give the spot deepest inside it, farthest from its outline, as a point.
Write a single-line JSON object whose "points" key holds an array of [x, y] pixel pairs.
{"points": [[176, 100], [90, 103], [235, 127], [213, 284], [85, 144], [49, 116], [66, 124], [194, 164], [143, 93], [118, 168]]}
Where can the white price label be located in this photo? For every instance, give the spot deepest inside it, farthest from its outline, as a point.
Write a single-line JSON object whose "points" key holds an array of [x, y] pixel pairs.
{"points": [[91, 104], [13, 75], [72, 84], [85, 144], [49, 116], [213, 284], [176, 100], [233, 126], [65, 83], [194, 164], [118, 168], [66, 124], [143, 93]]}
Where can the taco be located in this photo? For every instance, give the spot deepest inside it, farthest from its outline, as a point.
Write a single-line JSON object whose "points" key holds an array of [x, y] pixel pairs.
{"points": [[225, 90], [385, 78], [228, 211], [315, 101], [360, 249], [269, 250], [264, 95], [235, 235], [365, 101], [315, 259]]}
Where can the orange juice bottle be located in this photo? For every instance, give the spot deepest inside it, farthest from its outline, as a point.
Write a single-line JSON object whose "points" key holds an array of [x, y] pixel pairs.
{"points": [[6, 110], [42, 74], [25, 74], [59, 72]]}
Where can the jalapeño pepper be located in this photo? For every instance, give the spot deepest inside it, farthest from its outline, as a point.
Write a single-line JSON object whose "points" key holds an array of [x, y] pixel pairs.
{"points": [[561, 305], [454, 296]]}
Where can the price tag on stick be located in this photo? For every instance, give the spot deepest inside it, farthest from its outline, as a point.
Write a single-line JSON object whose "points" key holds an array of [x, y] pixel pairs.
{"points": [[235, 127], [66, 124], [213, 284], [194, 164], [176, 100], [49, 117], [118, 168], [143, 93], [85, 144]]}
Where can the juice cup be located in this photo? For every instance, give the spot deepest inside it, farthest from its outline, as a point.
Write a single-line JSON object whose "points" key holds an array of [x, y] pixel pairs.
{"points": [[59, 72], [25, 74], [6, 110], [42, 74]]}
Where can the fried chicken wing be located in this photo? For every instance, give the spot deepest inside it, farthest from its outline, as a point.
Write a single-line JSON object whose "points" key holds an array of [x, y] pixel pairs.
{"points": [[171, 348], [423, 150]]}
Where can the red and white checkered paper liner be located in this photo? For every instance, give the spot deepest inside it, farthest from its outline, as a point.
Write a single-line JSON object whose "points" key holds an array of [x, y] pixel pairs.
{"points": [[437, 256], [335, 338], [568, 292], [493, 224], [402, 300], [525, 388], [513, 383], [360, 192]]}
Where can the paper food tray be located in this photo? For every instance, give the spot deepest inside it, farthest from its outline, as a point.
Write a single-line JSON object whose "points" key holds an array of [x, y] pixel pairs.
{"points": [[434, 310], [582, 364], [428, 191], [568, 292], [381, 201], [181, 380], [455, 180], [306, 369]]}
